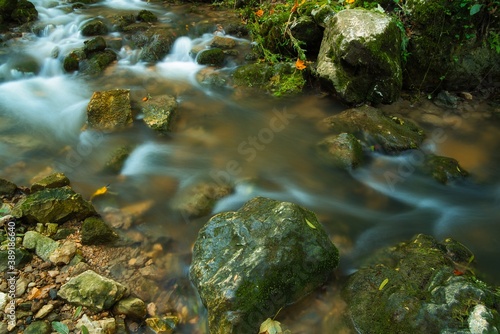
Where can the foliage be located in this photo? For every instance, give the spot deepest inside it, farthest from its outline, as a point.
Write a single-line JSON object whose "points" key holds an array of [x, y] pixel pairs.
{"points": [[60, 327]]}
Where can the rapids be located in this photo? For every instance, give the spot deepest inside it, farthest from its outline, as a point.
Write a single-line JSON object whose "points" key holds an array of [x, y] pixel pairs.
{"points": [[262, 144]]}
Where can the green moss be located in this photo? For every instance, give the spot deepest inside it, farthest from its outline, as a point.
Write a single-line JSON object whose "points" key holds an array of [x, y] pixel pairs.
{"points": [[95, 232], [214, 56]]}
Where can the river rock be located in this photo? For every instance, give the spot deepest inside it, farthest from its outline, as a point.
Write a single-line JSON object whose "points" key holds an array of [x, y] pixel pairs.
{"points": [[359, 58], [43, 246], [222, 42], [24, 12], [249, 263], [63, 254], [55, 180], [159, 113], [156, 44], [422, 286], [342, 151], [7, 188], [93, 291], [38, 327], [199, 199], [131, 307], [109, 110], [94, 27], [444, 169], [95, 231], [53, 205], [146, 16], [213, 57], [375, 130]]}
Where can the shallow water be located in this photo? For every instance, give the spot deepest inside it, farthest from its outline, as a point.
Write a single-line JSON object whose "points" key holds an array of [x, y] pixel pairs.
{"points": [[262, 144]]}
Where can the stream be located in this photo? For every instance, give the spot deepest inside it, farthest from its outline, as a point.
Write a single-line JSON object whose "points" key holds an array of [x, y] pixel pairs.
{"points": [[262, 144]]}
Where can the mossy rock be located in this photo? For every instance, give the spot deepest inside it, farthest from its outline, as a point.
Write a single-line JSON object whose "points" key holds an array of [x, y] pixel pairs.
{"points": [[341, 151], [55, 180], [253, 75], [94, 45], [97, 62], [421, 286], [159, 113], [22, 257], [115, 162], [249, 263], [72, 60], [156, 44], [38, 327], [53, 205], [95, 231], [24, 12], [376, 131], [109, 110], [146, 16], [214, 57], [94, 28], [444, 169]]}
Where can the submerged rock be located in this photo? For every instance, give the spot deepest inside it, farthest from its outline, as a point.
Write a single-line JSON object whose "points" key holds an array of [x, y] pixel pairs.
{"points": [[375, 130], [249, 263], [159, 113], [422, 286], [444, 169], [199, 200], [109, 110], [96, 232], [360, 57], [53, 205], [342, 151], [93, 291]]}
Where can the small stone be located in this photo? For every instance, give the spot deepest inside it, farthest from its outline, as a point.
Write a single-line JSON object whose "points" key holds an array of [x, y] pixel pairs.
{"points": [[55, 180], [3, 300], [131, 307], [21, 286], [53, 273], [63, 254], [95, 231], [53, 293], [44, 311], [38, 327], [151, 309]]}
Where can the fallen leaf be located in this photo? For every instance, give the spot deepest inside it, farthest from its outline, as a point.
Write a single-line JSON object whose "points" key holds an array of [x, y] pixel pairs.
{"points": [[383, 284], [145, 98], [99, 192], [350, 1], [457, 272], [295, 6], [270, 326], [310, 224], [299, 64], [259, 13]]}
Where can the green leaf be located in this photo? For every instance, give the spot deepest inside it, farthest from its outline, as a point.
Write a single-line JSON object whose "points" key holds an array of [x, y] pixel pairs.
{"points": [[270, 326], [60, 327], [77, 312], [84, 329], [475, 9]]}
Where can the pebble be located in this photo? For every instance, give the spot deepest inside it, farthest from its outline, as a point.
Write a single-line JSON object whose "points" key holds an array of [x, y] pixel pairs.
{"points": [[44, 311], [53, 273]]}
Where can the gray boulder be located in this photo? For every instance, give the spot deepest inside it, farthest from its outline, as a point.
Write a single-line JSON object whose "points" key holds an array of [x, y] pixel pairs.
{"points": [[360, 57], [249, 263], [53, 205], [93, 291], [422, 286], [375, 130], [109, 110], [159, 113]]}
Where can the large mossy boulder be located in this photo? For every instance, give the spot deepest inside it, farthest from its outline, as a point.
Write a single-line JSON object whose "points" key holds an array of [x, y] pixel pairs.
{"points": [[17, 12], [452, 45], [92, 290], [249, 263], [159, 113], [213, 56], [109, 110], [422, 286], [94, 27], [360, 57], [53, 205], [92, 59], [375, 130], [156, 44]]}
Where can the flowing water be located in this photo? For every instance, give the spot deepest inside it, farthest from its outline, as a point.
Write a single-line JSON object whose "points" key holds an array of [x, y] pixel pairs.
{"points": [[262, 144]]}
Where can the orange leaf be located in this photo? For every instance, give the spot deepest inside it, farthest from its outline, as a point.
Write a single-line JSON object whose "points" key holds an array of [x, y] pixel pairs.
{"points": [[299, 64], [259, 13], [457, 272], [350, 1], [144, 99], [295, 6]]}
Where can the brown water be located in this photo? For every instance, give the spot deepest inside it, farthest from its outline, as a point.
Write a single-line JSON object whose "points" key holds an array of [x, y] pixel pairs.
{"points": [[262, 144]]}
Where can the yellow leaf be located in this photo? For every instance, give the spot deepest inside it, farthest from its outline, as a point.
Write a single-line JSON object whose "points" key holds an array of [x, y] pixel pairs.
{"points": [[350, 1], [295, 6], [270, 326], [299, 64], [384, 282], [99, 192], [259, 13], [310, 224]]}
